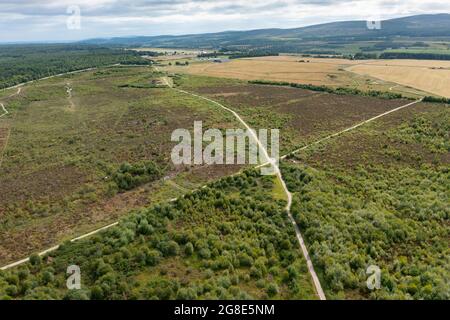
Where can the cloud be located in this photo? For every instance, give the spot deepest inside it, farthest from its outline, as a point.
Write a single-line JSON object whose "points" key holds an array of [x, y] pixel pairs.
{"points": [[45, 20]]}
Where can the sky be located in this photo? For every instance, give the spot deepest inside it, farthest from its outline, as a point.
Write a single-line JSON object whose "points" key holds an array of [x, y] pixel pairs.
{"points": [[70, 20]]}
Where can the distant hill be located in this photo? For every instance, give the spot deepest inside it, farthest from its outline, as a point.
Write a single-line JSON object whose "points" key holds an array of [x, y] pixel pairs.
{"points": [[324, 37]]}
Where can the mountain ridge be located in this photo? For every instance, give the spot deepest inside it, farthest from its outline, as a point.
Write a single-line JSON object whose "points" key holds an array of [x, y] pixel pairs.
{"points": [[418, 26]]}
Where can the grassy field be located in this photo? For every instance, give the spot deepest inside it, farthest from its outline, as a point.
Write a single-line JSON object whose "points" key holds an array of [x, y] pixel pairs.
{"points": [[60, 174], [426, 75], [316, 71], [282, 68], [170, 54], [442, 49], [375, 196]]}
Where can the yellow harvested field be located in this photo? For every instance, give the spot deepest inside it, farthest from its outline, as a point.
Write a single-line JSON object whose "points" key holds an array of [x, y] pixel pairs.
{"points": [[426, 75], [283, 68], [409, 77]]}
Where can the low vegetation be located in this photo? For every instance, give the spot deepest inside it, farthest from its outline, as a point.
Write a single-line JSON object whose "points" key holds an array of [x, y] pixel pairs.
{"points": [[19, 63], [129, 176], [74, 163], [301, 115], [252, 54], [231, 240], [379, 196]]}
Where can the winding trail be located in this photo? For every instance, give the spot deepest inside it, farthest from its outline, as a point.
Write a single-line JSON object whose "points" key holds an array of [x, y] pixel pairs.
{"points": [[5, 111], [274, 164], [300, 239]]}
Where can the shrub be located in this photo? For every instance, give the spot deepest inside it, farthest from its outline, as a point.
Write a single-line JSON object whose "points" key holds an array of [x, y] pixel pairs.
{"points": [[145, 228], [23, 273], [186, 294], [35, 259], [97, 293], [11, 291], [189, 249], [272, 290], [436, 100], [153, 258], [169, 248], [245, 260], [47, 277]]}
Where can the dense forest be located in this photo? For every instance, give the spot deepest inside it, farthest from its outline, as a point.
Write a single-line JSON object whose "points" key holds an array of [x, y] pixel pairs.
{"points": [[395, 219], [230, 240], [22, 63], [253, 54], [384, 205], [415, 55]]}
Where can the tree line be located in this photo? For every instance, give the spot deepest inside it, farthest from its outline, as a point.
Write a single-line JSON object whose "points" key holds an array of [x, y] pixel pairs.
{"points": [[23, 63], [339, 90]]}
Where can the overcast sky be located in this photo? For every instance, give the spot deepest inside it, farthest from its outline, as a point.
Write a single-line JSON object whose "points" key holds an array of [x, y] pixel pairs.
{"points": [[41, 20]]}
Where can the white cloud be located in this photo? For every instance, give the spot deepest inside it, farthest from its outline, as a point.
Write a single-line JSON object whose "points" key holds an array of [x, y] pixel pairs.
{"points": [[45, 20]]}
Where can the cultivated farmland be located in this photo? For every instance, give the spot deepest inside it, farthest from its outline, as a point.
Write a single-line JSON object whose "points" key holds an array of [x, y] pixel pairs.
{"points": [[296, 69], [429, 76]]}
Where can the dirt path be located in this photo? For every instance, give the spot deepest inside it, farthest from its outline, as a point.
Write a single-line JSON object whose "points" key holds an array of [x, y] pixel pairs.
{"points": [[5, 112], [276, 168], [69, 90], [300, 239], [351, 128]]}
